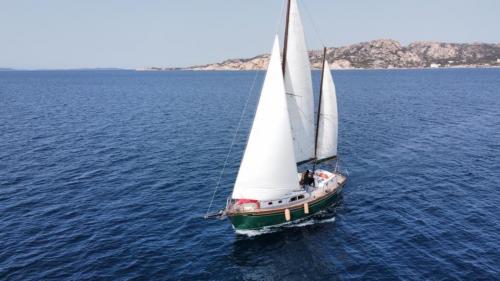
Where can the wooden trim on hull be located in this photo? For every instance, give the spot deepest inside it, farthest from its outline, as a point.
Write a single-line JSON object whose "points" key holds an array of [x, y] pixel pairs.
{"points": [[256, 220]]}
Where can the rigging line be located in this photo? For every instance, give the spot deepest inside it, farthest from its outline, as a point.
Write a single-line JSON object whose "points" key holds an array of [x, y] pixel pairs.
{"points": [[280, 19], [232, 142], [337, 163], [311, 20], [278, 23]]}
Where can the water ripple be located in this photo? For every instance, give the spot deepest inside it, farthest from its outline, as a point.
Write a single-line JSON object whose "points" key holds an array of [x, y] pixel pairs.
{"points": [[106, 175]]}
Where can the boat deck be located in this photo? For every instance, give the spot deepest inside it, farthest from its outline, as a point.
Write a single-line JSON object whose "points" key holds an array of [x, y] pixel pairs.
{"points": [[326, 184]]}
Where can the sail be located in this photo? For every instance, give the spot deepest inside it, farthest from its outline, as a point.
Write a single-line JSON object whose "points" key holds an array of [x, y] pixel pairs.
{"points": [[268, 169], [328, 118], [298, 86]]}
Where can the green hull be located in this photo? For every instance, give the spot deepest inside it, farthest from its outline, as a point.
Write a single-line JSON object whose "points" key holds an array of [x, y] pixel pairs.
{"points": [[256, 221]]}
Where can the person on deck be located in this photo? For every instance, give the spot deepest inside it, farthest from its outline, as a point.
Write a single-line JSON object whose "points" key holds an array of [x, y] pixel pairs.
{"points": [[310, 178], [304, 179], [307, 179]]}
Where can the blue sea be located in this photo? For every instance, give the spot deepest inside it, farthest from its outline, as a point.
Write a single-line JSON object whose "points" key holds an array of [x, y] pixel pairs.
{"points": [[106, 175]]}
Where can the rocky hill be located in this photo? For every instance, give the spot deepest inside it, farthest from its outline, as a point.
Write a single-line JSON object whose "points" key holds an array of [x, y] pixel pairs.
{"points": [[385, 53]]}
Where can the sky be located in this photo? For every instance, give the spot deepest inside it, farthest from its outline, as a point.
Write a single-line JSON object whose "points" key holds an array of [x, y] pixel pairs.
{"points": [[62, 34]]}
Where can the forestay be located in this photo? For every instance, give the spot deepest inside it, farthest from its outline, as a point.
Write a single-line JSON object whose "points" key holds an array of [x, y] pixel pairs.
{"points": [[268, 169], [328, 118], [298, 87]]}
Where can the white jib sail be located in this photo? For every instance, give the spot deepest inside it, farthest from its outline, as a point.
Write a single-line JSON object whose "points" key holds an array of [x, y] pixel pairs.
{"points": [[328, 119], [268, 170], [298, 86]]}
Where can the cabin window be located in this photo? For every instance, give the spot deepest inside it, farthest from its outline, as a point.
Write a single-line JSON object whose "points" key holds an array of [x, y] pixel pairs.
{"points": [[293, 199], [301, 197], [269, 203], [279, 202]]}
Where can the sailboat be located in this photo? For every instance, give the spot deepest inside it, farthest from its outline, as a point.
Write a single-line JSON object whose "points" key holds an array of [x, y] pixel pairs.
{"points": [[269, 189]]}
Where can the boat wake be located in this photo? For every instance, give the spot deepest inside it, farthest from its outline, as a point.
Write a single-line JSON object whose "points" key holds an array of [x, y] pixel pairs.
{"points": [[277, 228]]}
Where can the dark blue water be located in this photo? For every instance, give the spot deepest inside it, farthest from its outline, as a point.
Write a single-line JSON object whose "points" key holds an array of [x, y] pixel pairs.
{"points": [[106, 175]]}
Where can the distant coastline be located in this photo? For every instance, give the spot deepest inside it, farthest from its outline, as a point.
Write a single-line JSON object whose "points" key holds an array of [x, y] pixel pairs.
{"points": [[378, 54], [68, 69]]}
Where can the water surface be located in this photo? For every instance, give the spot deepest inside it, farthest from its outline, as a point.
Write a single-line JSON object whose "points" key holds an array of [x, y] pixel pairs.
{"points": [[106, 175]]}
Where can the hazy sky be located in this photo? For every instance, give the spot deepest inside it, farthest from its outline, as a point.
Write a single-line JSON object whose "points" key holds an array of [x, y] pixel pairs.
{"points": [[132, 33]]}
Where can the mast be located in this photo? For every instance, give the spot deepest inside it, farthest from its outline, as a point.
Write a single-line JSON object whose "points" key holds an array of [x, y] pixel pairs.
{"points": [[285, 44], [319, 109]]}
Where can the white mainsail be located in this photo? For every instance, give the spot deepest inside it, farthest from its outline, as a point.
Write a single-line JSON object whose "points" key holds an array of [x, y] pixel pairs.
{"points": [[298, 85], [268, 169], [328, 118]]}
